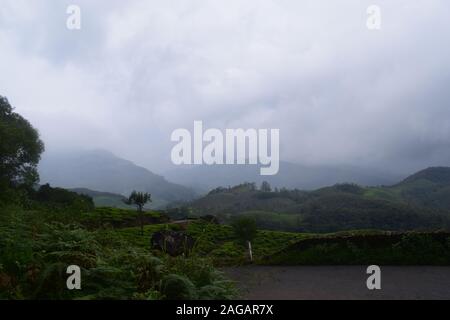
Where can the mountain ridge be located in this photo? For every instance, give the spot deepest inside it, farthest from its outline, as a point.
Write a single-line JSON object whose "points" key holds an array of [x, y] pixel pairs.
{"points": [[102, 171], [291, 175], [439, 175]]}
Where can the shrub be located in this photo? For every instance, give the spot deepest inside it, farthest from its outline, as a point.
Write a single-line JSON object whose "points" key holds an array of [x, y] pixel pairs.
{"points": [[177, 287], [213, 292], [421, 249], [245, 228]]}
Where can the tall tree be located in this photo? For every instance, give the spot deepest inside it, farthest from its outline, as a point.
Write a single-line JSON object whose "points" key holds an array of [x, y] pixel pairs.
{"points": [[139, 199], [20, 148]]}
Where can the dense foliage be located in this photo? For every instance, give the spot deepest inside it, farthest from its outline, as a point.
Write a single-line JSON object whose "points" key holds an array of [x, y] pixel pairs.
{"points": [[36, 247], [20, 151], [412, 205], [366, 249], [244, 228], [59, 199]]}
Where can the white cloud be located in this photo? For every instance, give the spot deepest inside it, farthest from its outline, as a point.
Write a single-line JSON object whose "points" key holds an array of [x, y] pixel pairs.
{"points": [[138, 70]]}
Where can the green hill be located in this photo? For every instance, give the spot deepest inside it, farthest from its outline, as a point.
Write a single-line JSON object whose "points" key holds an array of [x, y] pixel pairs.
{"points": [[420, 202], [436, 175], [428, 188]]}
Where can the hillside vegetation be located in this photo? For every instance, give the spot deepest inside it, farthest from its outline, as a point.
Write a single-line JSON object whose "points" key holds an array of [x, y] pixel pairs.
{"points": [[421, 202], [37, 245], [220, 244], [428, 188]]}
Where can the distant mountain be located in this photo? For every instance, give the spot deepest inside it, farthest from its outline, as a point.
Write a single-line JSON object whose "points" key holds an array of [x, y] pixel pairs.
{"points": [[290, 175], [102, 171]]}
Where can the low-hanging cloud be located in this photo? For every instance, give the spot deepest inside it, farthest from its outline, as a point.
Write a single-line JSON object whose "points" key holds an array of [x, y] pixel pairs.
{"points": [[137, 70]]}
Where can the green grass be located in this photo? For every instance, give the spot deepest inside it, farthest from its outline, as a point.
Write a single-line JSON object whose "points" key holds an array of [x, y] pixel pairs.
{"points": [[366, 247], [116, 216], [119, 263], [389, 194], [220, 243], [217, 242], [133, 235], [275, 220]]}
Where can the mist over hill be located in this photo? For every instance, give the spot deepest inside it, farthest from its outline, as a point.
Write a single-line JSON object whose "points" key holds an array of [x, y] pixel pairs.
{"points": [[290, 175], [103, 171]]}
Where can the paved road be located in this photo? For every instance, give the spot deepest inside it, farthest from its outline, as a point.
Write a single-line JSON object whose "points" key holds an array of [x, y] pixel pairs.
{"points": [[340, 282]]}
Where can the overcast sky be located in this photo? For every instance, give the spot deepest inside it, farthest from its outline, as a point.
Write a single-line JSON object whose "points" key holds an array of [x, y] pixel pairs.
{"points": [[137, 70]]}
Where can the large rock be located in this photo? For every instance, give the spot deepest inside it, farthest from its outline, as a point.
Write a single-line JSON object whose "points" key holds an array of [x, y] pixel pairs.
{"points": [[174, 243]]}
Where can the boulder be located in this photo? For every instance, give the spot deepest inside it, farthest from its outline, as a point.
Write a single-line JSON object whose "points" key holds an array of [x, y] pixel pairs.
{"points": [[174, 243]]}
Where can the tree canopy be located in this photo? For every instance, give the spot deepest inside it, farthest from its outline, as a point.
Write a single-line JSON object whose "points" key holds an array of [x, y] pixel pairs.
{"points": [[139, 199], [20, 148], [245, 228]]}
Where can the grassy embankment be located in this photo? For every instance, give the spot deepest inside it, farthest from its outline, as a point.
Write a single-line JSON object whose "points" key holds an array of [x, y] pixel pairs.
{"points": [[118, 262], [218, 243]]}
